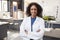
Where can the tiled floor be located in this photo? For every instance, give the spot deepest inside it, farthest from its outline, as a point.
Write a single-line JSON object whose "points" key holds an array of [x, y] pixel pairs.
{"points": [[14, 35]]}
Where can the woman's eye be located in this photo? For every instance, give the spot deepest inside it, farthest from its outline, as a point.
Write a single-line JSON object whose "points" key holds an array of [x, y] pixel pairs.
{"points": [[33, 9]]}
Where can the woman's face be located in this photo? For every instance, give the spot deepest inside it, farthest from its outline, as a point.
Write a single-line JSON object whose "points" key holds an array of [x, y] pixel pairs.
{"points": [[33, 10]]}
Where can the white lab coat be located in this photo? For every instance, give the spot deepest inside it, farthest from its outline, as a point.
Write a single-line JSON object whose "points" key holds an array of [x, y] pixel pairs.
{"points": [[26, 25]]}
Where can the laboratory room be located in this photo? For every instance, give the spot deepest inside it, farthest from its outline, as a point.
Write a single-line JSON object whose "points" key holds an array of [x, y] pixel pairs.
{"points": [[29, 19]]}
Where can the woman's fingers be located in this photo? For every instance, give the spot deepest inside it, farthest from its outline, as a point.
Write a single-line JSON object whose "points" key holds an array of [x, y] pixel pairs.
{"points": [[26, 31], [38, 30]]}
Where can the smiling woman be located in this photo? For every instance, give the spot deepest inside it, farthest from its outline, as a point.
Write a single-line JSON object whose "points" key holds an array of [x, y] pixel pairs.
{"points": [[32, 27], [37, 7]]}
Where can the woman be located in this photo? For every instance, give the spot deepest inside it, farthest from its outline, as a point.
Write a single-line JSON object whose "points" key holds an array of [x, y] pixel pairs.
{"points": [[32, 27]]}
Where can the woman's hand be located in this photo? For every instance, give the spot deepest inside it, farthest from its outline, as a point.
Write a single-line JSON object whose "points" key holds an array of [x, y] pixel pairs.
{"points": [[26, 31], [38, 30]]}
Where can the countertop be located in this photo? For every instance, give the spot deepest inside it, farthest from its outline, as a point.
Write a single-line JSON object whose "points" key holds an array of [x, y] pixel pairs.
{"points": [[53, 33], [1, 23]]}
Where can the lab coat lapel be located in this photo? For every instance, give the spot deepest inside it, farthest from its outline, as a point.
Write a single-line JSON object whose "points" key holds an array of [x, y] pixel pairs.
{"points": [[33, 23], [36, 22]]}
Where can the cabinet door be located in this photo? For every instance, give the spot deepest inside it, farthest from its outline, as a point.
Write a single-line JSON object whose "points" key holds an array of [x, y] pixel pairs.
{"points": [[3, 31]]}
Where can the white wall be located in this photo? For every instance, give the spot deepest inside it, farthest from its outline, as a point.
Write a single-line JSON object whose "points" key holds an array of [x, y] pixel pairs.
{"points": [[3, 10], [0, 5], [3, 6], [58, 17]]}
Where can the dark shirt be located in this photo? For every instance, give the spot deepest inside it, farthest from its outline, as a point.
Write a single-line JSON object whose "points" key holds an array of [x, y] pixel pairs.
{"points": [[32, 22]]}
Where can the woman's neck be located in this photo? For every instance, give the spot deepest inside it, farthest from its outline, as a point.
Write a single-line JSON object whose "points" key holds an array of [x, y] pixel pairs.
{"points": [[33, 16]]}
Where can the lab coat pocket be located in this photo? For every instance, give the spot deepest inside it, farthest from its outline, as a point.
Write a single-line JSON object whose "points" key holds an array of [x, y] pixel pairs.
{"points": [[36, 28]]}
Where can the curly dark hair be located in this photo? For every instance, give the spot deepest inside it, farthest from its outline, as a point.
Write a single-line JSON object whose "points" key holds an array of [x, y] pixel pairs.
{"points": [[39, 9]]}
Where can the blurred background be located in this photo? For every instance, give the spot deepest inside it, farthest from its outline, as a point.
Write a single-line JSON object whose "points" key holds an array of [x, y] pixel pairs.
{"points": [[12, 13]]}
